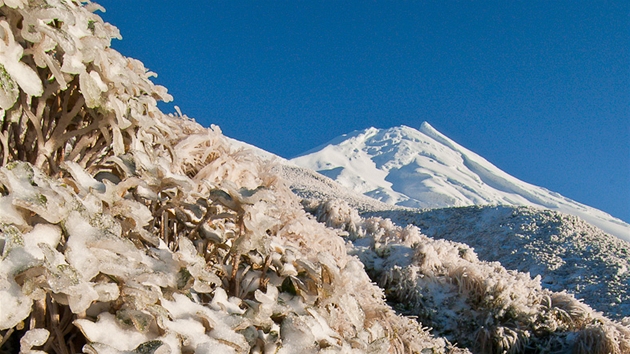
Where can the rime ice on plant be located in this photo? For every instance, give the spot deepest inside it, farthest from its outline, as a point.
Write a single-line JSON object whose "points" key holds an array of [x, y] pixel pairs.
{"points": [[124, 229]]}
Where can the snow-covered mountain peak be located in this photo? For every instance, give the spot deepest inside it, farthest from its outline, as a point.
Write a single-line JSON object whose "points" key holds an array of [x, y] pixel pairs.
{"points": [[425, 169], [428, 129]]}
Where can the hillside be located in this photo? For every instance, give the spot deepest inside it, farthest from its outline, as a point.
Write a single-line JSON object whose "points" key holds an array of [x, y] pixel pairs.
{"points": [[127, 230], [565, 251]]}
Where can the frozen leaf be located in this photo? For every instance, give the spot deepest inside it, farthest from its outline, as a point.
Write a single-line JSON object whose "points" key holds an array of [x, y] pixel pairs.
{"points": [[14, 3], [136, 211], [86, 181], [219, 323], [192, 332], [269, 298], [10, 55], [106, 330], [213, 346], [33, 338], [15, 305], [288, 270], [15, 256], [42, 44], [92, 87], [32, 191], [153, 347], [355, 313], [9, 214], [321, 330], [8, 89], [118, 143], [42, 234], [107, 291], [296, 336], [138, 319], [220, 301]]}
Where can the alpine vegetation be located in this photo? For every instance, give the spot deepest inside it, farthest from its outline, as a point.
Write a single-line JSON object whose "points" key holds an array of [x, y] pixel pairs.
{"points": [[127, 230], [567, 252], [124, 229], [477, 304]]}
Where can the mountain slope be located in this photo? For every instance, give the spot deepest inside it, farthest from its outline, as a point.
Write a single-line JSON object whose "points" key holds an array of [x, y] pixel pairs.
{"points": [[566, 252], [425, 169]]}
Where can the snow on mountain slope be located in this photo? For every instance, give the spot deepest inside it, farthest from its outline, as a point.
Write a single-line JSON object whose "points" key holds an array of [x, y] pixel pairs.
{"points": [[310, 185], [425, 169]]}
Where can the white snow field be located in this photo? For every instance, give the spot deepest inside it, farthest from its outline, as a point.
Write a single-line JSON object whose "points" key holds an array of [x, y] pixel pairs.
{"points": [[425, 169]]}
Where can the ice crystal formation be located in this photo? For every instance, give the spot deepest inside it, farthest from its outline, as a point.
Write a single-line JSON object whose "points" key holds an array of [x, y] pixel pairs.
{"points": [[127, 230]]}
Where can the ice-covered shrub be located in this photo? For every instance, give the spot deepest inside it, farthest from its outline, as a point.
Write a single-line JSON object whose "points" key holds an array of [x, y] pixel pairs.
{"points": [[123, 229], [337, 214], [476, 304], [77, 255], [64, 93]]}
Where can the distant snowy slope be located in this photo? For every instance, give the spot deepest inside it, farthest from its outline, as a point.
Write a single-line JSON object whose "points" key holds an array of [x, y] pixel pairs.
{"points": [[425, 169], [263, 154], [310, 185]]}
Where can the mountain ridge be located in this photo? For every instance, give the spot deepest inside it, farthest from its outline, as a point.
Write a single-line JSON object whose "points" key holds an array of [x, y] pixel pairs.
{"points": [[426, 169]]}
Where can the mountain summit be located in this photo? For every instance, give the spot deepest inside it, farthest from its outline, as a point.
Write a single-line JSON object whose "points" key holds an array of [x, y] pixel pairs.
{"points": [[425, 169]]}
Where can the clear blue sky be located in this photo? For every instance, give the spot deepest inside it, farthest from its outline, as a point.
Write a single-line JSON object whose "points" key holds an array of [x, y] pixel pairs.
{"points": [[539, 88]]}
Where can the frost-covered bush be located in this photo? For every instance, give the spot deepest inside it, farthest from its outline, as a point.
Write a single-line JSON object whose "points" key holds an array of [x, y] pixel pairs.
{"points": [[64, 93], [568, 253], [123, 229], [337, 214], [476, 304]]}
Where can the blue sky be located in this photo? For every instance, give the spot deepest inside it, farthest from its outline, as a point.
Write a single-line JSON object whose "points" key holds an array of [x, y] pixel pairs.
{"points": [[539, 88]]}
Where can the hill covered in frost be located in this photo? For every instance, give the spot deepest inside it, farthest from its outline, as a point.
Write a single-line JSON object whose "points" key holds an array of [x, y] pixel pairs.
{"points": [[565, 251], [127, 230], [523, 227], [425, 169]]}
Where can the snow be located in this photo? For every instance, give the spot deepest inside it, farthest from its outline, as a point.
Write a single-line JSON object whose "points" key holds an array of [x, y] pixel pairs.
{"points": [[107, 326], [425, 169]]}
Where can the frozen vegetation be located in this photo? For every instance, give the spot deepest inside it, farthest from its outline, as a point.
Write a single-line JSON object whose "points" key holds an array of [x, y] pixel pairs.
{"points": [[126, 230], [566, 252], [477, 304]]}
